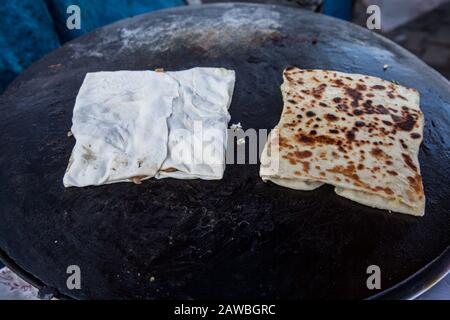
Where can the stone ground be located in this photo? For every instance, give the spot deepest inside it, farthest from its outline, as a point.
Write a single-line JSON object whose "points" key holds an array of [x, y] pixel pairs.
{"points": [[428, 36]]}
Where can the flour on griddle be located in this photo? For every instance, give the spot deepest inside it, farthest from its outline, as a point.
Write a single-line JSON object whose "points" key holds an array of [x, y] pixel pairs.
{"points": [[361, 134]]}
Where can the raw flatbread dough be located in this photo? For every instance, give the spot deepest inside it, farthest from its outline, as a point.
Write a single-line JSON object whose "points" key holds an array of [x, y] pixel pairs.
{"points": [[361, 134], [198, 125], [123, 120]]}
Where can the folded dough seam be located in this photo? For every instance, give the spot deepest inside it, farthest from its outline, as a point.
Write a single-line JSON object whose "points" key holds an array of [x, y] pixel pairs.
{"points": [[127, 125]]}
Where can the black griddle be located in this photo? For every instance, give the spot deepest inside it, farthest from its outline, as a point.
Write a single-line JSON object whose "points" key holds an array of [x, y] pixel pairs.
{"points": [[234, 238]]}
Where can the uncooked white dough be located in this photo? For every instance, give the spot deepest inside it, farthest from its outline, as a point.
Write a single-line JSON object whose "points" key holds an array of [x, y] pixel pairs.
{"points": [[198, 125], [130, 126]]}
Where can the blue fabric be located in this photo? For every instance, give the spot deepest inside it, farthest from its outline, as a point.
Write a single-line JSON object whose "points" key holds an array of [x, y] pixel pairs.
{"points": [[97, 13], [26, 34], [30, 29], [9, 64], [342, 9]]}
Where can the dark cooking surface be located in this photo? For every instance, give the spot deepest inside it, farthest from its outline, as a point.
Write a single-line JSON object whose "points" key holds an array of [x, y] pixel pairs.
{"points": [[235, 238]]}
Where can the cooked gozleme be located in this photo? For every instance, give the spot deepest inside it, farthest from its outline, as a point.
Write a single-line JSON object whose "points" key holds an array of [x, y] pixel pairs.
{"points": [[359, 133]]}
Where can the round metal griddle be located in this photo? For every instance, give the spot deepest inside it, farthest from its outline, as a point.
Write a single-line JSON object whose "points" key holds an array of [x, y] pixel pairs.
{"points": [[234, 238]]}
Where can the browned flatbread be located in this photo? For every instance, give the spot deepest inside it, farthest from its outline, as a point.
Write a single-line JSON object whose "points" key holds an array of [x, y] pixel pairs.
{"points": [[359, 133]]}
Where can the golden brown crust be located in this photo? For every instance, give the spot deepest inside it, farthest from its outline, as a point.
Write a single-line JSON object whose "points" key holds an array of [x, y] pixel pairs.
{"points": [[353, 131]]}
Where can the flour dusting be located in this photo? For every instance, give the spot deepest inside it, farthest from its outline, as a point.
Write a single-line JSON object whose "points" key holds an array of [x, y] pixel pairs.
{"points": [[236, 26]]}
